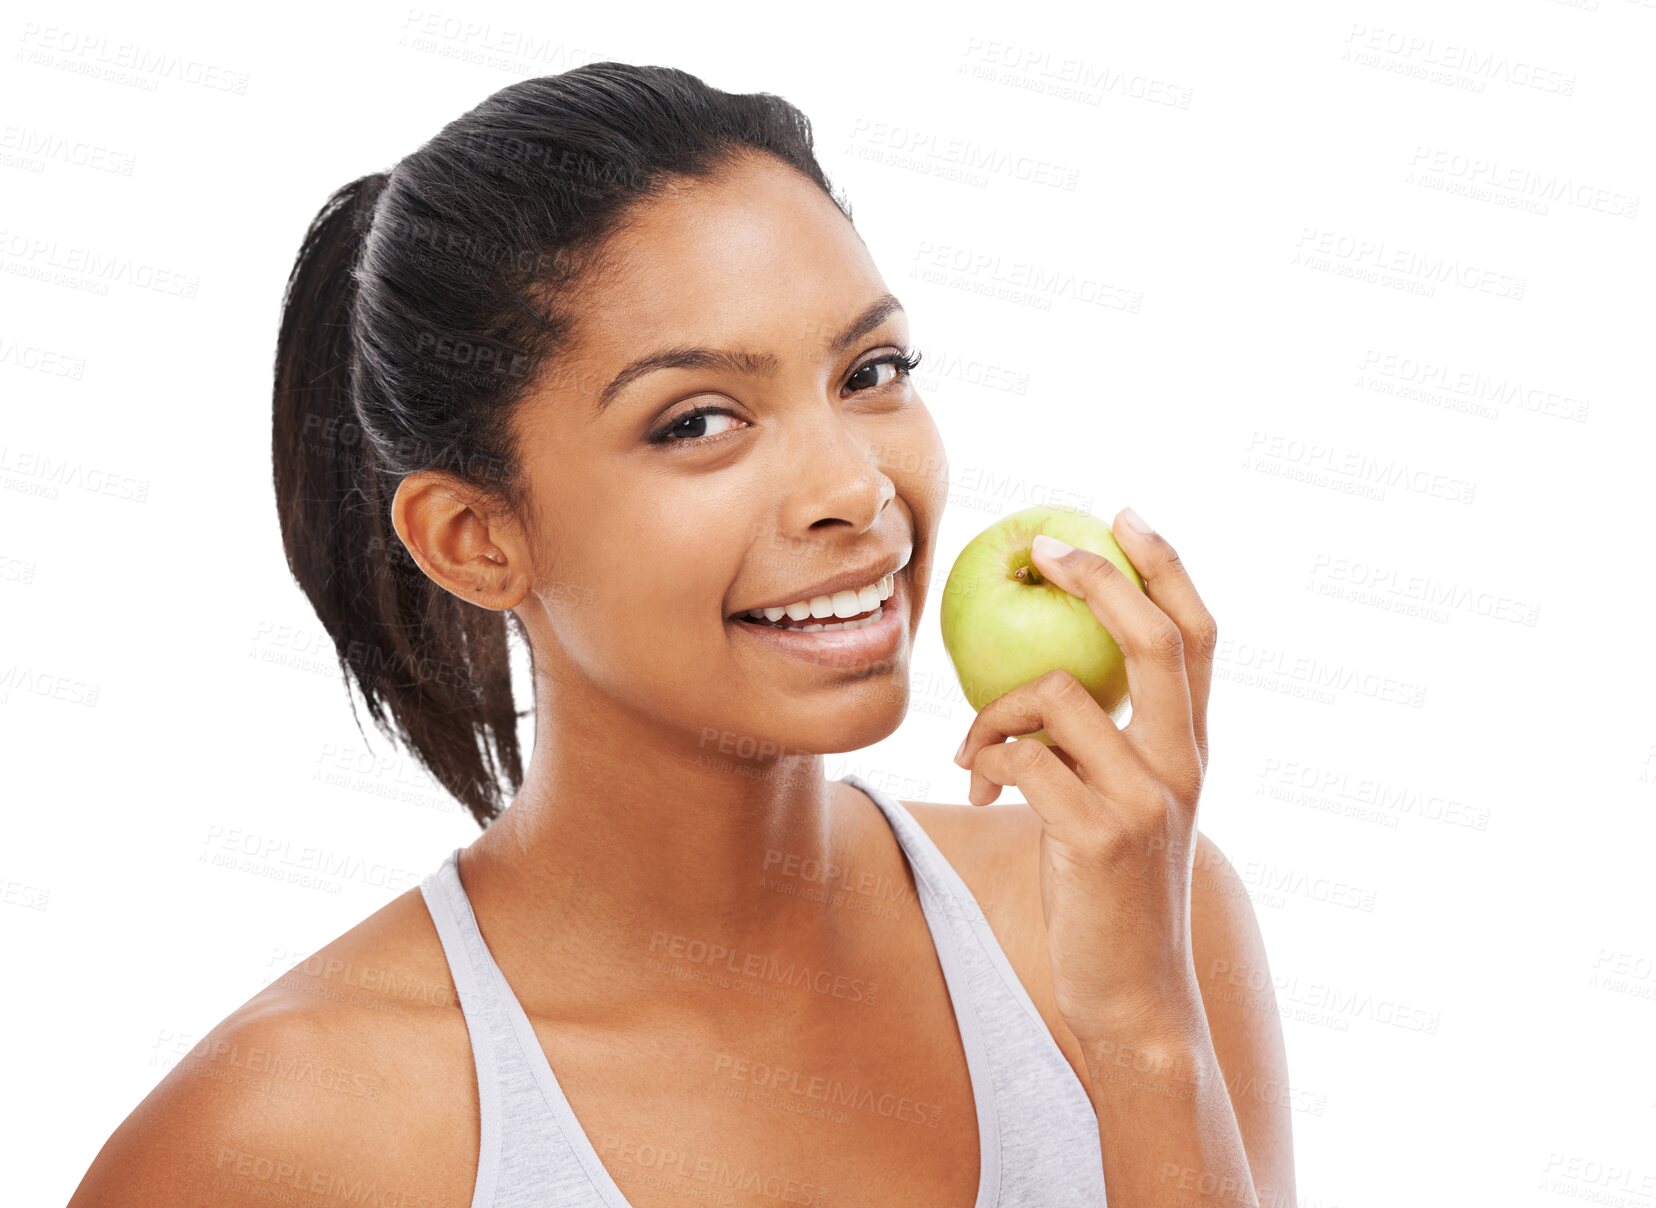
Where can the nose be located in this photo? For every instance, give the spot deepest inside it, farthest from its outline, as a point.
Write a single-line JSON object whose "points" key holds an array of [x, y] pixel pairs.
{"points": [[835, 477]]}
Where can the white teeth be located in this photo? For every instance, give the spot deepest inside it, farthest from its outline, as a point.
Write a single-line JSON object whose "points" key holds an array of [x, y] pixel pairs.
{"points": [[847, 603], [858, 624]]}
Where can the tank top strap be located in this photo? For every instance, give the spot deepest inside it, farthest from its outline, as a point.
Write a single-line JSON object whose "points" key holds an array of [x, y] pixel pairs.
{"points": [[950, 896], [477, 983], [531, 1149], [931, 868], [1040, 1143]]}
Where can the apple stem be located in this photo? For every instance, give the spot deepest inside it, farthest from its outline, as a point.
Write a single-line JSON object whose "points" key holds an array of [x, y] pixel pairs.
{"points": [[1027, 574]]}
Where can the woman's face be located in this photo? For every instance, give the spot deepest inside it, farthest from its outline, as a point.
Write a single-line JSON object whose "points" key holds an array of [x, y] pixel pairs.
{"points": [[669, 498]]}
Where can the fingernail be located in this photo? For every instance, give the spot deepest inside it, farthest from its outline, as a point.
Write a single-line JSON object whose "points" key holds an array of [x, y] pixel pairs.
{"points": [[1049, 547], [1136, 522], [962, 751]]}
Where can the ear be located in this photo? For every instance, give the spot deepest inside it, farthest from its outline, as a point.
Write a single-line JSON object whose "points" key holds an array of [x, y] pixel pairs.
{"points": [[462, 539]]}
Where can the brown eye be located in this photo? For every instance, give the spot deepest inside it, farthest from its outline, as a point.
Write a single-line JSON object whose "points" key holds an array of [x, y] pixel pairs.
{"points": [[868, 376], [690, 428]]}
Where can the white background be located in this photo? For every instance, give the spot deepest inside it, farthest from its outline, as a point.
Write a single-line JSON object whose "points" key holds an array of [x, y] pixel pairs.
{"points": [[1386, 387]]}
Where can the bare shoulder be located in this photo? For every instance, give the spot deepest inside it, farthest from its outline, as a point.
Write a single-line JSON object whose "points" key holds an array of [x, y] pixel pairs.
{"points": [[351, 1070], [996, 850]]}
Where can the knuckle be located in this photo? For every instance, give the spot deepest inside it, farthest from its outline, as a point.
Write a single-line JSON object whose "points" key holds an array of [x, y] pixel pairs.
{"points": [[1145, 831], [1025, 754], [1170, 810], [1060, 688], [1165, 643], [1134, 835], [1204, 635], [1097, 569], [1187, 788]]}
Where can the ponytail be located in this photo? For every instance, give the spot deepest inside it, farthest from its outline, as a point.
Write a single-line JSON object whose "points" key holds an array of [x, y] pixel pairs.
{"points": [[432, 669]]}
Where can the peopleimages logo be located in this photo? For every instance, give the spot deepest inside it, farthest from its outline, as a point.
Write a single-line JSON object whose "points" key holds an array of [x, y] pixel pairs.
{"points": [[47, 259], [1528, 184], [930, 148], [983, 272], [762, 966], [37, 473], [1476, 386], [830, 1091], [122, 62], [1378, 262], [1413, 54]]}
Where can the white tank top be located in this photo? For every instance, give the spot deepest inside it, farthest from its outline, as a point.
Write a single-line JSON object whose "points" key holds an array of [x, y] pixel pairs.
{"points": [[1037, 1131]]}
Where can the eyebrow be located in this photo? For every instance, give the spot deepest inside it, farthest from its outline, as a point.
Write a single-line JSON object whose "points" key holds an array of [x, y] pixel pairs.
{"points": [[729, 361]]}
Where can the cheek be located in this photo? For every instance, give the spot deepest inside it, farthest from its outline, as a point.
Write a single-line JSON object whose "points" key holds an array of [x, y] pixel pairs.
{"points": [[649, 620], [665, 563], [918, 466]]}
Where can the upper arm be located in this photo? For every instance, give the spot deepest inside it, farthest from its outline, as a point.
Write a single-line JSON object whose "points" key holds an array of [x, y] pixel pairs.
{"points": [[1240, 1001], [244, 1118]]}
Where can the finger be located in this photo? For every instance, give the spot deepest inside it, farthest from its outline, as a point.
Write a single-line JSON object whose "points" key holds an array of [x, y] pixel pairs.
{"points": [[1058, 703], [1065, 806], [1150, 641], [1168, 583]]}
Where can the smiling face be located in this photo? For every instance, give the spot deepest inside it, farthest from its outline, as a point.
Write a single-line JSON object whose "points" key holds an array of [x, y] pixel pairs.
{"points": [[732, 426]]}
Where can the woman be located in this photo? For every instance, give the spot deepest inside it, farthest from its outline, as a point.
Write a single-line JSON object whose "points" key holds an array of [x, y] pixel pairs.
{"points": [[607, 357]]}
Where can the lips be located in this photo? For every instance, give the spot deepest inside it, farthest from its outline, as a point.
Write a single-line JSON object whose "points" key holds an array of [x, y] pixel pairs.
{"points": [[870, 649]]}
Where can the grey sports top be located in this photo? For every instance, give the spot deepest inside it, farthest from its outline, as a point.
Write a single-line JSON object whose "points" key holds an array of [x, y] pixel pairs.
{"points": [[1037, 1131]]}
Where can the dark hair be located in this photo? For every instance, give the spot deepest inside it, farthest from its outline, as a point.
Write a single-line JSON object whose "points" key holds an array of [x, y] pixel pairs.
{"points": [[424, 303]]}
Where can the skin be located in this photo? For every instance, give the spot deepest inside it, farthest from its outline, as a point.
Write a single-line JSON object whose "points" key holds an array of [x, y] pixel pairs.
{"points": [[637, 819]]}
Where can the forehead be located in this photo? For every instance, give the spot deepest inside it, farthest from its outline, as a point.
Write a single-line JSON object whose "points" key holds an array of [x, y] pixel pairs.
{"points": [[754, 256]]}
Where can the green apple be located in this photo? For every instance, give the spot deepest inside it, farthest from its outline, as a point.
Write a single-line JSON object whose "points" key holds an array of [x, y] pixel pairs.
{"points": [[1004, 624]]}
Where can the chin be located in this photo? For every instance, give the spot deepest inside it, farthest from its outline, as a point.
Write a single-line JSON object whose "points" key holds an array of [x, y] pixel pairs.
{"points": [[871, 714]]}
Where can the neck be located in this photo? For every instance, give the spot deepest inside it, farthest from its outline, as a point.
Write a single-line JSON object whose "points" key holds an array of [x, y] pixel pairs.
{"points": [[629, 838]]}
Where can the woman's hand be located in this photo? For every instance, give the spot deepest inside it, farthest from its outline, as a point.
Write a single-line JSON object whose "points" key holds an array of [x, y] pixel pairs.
{"points": [[1118, 804]]}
